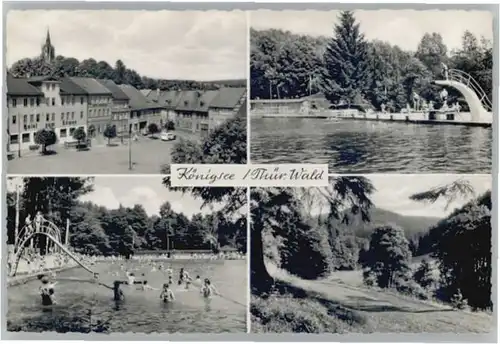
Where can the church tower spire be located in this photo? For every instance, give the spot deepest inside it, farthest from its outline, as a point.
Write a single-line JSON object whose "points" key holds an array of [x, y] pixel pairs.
{"points": [[48, 50]]}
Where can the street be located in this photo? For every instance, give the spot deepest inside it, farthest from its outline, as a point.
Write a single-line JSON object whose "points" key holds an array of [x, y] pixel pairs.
{"points": [[148, 156]]}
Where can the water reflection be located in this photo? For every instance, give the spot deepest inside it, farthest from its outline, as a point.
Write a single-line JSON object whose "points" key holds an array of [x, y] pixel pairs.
{"points": [[352, 146]]}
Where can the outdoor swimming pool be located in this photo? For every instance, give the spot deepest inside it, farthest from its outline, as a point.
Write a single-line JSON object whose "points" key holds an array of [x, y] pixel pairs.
{"points": [[86, 307], [356, 146]]}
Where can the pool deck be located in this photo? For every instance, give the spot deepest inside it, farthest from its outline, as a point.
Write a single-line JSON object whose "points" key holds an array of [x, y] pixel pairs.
{"points": [[412, 118], [21, 279]]}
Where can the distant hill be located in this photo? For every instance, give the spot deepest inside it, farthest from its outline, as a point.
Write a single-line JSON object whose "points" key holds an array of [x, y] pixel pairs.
{"points": [[412, 225], [227, 83]]}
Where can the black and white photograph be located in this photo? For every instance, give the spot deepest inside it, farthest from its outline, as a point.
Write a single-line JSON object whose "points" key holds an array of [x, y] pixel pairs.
{"points": [[373, 91], [125, 254], [374, 254], [121, 92]]}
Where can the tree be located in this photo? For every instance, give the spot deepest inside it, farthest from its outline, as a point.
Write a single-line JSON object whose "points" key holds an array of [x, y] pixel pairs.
{"points": [[432, 52], [45, 138], [153, 128], [170, 125], [345, 76], [388, 258], [346, 197], [225, 145], [79, 135], [87, 235], [424, 274], [110, 132]]}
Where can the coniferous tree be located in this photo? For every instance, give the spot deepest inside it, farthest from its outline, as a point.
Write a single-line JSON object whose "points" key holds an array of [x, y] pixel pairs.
{"points": [[345, 76]]}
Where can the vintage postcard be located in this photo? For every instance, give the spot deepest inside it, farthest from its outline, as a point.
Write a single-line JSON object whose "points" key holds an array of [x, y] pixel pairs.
{"points": [[113, 92], [374, 254], [124, 254], [373, 91]]}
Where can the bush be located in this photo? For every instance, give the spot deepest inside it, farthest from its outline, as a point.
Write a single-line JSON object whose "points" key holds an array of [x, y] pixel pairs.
{"points": [[458, 301], [369, 278], [287, 314], [411, 288], [170, 125], [153, 128]]}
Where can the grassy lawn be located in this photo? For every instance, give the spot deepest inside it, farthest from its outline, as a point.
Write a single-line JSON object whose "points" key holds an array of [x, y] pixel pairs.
{"points": [[335, 305], [148, 155]]}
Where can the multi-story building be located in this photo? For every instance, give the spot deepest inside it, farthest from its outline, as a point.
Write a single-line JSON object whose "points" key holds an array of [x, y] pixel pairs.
{"points": [[229, 103], [49, 103], [142, 111], [120, 112], [99, 103], [192, 111], [23, 113], [73, 110], [168, 100]]}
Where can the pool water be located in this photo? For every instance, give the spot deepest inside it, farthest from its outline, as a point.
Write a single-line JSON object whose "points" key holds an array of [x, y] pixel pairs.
{"points": [[87, 307], [356, 146]]}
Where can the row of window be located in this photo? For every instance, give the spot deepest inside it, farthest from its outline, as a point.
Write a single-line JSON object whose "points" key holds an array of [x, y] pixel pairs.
{"points": [[100, 100], [36, 101], [30, 137], [48, 117], [99, 112]]}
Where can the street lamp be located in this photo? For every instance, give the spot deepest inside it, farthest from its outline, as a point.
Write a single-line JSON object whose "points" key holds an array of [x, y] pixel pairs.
{"points": [[130, 148]]}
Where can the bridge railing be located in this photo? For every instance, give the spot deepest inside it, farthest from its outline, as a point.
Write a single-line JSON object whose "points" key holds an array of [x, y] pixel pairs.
{"points": [[467, 79]]}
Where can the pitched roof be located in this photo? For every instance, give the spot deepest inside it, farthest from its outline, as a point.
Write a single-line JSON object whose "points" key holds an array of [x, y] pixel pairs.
{"points": [[198, 101], [168, 99], [228, 97], [116, 92], [42, 78], [137, 100], [91, 86], [69, 87], [21, 87]]}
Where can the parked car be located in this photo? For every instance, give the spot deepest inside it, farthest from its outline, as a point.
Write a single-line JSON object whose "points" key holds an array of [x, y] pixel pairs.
{"points": [[167, 137]]}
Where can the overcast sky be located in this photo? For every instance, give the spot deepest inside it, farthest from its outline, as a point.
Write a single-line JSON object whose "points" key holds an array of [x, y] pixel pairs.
{"points": [[404, 28], [210, 45], [393, 192]]}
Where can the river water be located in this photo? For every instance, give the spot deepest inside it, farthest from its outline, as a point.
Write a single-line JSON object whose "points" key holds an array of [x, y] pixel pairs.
{"points": [[357, 146], [85, 307]]}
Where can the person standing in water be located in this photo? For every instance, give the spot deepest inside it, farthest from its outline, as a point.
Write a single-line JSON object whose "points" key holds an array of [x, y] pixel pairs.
{"points": [[47, 291], [208, 289], [167, 295], [117, 291]]}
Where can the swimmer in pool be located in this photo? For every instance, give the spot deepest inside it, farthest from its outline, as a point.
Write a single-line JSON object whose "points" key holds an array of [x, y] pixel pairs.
{"points": [[183, 276], [47, 291], [167, 295], [130, 278], [208, 289], [146, 286]]}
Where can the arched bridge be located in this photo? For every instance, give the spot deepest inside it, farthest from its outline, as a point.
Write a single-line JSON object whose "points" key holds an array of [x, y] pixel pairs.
{"points": [[479, 104], [43, 228]]}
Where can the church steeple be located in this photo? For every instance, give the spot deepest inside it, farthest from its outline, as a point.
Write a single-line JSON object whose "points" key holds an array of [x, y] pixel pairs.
{"points": [[48, 50]]}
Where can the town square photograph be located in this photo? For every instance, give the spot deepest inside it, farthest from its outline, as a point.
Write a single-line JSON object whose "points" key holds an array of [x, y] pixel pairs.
{"points": [[131, 92], [373, 91], [124, 254], [375, 254]]}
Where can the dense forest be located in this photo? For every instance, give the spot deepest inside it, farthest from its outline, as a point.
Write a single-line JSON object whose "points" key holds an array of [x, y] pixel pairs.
{"points": [[349, 69], [119, 73], [285, 232], [97, 230]]}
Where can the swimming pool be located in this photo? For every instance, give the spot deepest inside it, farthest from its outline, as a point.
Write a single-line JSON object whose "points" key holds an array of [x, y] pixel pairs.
{"points": [[86, 307]]}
